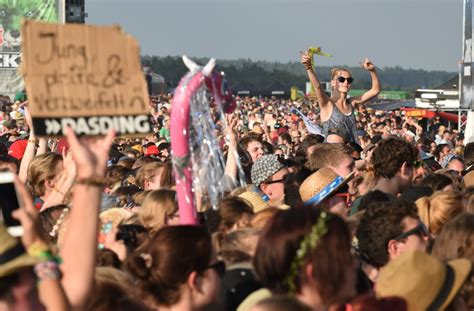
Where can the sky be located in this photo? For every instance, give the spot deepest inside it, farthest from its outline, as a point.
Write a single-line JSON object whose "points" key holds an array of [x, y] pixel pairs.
{"points": [[418, 34]]}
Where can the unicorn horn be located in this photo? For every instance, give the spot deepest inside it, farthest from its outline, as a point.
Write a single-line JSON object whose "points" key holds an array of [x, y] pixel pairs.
{"points": [[206, 71], [192, 66]]}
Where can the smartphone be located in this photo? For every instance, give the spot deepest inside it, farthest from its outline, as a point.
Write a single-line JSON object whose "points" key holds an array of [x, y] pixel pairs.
{"points": [[9, 202]]}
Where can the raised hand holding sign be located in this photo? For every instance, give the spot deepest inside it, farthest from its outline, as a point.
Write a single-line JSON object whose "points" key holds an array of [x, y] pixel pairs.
{"points": [[86, 77]]}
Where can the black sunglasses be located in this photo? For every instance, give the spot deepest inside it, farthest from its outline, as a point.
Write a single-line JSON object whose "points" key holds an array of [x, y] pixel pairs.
{"points": [[275, 181], [420, 230], [282, 179], [218, 266], [343, 79]]}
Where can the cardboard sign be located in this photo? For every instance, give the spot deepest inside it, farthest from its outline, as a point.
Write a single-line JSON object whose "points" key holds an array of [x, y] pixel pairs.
{"points": [[87, 77]]}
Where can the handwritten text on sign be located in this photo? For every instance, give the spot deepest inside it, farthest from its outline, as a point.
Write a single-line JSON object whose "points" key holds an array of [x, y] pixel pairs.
{"points": [[76, 71]]}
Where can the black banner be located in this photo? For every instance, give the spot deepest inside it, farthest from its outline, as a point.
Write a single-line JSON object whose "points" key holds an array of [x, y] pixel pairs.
{"points": [[93, 125]]}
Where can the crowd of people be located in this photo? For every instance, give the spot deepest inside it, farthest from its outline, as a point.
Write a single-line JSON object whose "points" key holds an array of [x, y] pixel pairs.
{"points": [[375, 212]]}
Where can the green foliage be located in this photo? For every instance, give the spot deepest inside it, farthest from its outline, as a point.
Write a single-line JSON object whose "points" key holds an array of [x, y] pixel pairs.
{"points": [[261, 74]]}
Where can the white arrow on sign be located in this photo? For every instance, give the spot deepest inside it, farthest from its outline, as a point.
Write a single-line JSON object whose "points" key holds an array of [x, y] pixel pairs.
{"points": [[53, 127]]}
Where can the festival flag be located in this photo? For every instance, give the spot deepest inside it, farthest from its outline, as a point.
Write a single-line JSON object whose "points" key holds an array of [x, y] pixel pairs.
{"points": [[310, 126]]}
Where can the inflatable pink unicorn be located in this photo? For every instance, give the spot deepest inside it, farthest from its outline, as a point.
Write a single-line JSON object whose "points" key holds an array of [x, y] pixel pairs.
{"points": [[197, 160]]}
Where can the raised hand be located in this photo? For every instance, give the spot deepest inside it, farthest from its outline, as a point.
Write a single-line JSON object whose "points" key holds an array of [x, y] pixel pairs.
{"points": [[367, 65], [27, 215], [305, 60], [68, 164], [29, 122]]}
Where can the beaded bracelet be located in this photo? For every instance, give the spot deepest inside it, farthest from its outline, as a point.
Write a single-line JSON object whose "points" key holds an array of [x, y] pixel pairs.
{"points": [[59, 221], [41, 251], [47, 270], [96, 181]]}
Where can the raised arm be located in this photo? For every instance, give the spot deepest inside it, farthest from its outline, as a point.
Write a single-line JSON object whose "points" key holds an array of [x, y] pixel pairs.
{"points": [[323, 99], [374, 90], [30, 150], [231, 133], [42, 146], [50, 290], [80, 242], [65, 183]]}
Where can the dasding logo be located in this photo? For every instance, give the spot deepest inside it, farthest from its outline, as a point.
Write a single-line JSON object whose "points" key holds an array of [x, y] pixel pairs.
{"points": [[99, 125]]}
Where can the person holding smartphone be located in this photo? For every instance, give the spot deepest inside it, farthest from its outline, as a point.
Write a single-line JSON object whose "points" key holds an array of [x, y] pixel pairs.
{"points": [[30, 276], [337, 111]]}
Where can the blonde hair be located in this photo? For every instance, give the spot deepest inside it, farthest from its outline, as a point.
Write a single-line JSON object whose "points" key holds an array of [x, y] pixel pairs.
{"points": [[439, 208], [147, 172], [336, 70], [459, 150], [139, 197], [156, 208], [41, 169], [326, 154], [456, 240], [468, 196], [261, 218], [369, 178]]}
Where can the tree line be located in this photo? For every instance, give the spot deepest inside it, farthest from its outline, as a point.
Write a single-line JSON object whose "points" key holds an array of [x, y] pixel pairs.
{"points": [[261, 75]]}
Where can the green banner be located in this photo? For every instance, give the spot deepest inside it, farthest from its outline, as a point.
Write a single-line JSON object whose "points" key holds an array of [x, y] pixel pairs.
{"points": [[385, 95]]}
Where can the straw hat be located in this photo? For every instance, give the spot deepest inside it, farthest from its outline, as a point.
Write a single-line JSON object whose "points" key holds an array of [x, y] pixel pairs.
{"points": [[12, 254], [468, 179], [423, 281], [114, 215], [321, 185], [256, 201]]}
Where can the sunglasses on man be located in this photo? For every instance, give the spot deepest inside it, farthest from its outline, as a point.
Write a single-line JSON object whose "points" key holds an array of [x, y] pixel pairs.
{"points": [[343, 79], [419, 230], [282, 180]]}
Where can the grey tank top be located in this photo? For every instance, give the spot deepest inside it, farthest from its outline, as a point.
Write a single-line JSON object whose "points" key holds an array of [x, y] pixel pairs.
{"points": [[344, 123]]}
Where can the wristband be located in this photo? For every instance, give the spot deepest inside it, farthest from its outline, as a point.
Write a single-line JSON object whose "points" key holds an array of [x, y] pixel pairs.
{"points": [[47, 270], [96, 181], [41, 251]]}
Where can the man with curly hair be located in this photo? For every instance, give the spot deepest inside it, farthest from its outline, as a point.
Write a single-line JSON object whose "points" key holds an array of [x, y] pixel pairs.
{"points": [[387, 230], [394, 162]]}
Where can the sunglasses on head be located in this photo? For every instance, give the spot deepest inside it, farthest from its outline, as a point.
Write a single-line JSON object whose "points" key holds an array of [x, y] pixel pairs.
{"points": [[419, 230], [343, 79]]}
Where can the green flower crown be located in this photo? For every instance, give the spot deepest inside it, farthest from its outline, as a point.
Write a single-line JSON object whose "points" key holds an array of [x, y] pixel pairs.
{"points": [[318, 230]]}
